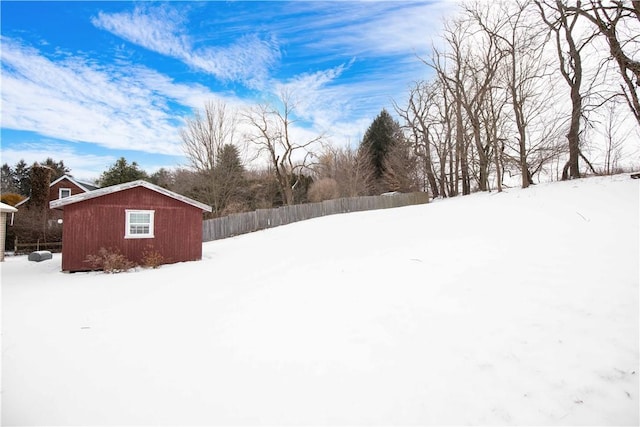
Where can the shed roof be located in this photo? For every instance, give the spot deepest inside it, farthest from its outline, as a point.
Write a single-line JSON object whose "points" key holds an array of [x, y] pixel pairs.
{"points": [[60, 203], [7, 208]]}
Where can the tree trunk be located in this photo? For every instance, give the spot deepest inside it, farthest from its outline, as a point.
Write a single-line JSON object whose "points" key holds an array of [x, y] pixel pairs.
{"points": [[574, 81], [483, 180]]}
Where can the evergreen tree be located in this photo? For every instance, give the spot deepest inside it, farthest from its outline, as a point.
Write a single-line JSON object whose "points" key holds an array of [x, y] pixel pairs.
{"points": [[383, 134], [22, 178], [58, 168], [40, 181], [18, 179], [229, 180], [7, 180], [228, 161], [163, 178], [121, 172]]}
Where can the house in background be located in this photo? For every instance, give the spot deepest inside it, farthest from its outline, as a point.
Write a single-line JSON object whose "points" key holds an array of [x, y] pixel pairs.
{"points": [[65, 186], [131, 218], [36, 226]]}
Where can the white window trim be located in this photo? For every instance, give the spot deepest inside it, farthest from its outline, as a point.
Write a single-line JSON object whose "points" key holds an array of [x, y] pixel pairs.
{"points": [[149, 235], [60, 196]]}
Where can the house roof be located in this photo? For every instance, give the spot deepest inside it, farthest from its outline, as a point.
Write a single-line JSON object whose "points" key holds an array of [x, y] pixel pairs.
{"points": [[82, 185], [60, 203], [7, 208]]}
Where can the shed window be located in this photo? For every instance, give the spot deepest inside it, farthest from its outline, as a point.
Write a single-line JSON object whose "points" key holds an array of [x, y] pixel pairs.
{"points": [[64, 192], [139, 224]]}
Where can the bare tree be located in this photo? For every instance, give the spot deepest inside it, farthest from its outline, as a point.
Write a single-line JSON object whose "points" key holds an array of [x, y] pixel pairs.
{"points": [[524, 76], [205, 135], [400, 168], [618, 22], [483, 63], [422, 122], [492, 107], [323, 189], [445, 147], [569, 47], [350, 169], [495, 124], [272, 134], [450, 69], [613, 143], [206, 138]]}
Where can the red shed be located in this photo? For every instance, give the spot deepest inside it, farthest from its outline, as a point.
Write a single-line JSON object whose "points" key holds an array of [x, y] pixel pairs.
{"points": [[132, 218]]}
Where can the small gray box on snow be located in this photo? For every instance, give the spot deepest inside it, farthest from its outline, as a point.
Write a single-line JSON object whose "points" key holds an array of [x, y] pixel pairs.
{"points": [[38, 256]]}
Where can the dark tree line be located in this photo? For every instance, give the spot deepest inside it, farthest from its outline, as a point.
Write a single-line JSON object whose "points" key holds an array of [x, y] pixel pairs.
{"points": [[17, 179]]}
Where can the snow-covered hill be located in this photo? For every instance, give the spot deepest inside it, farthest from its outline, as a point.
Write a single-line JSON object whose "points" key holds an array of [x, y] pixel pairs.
{"points": [[512, 308]]}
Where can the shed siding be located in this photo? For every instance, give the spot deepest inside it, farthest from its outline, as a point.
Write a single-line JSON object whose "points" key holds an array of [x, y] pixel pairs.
{"points": [[100, 222]]}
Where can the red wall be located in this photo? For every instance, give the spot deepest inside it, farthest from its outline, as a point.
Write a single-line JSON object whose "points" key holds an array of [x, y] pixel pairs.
{"points": [[100, 222]]}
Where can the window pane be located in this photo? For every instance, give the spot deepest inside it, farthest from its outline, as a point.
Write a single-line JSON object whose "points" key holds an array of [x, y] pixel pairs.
{"points": [[139, 218], [139, 224], [139, 229]]}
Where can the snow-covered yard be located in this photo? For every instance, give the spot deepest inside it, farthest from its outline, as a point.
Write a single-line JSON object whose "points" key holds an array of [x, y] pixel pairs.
{"points": [[512, 308]]}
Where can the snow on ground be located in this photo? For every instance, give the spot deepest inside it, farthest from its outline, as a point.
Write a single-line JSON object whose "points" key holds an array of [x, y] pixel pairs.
{"points": [[510, 309]]}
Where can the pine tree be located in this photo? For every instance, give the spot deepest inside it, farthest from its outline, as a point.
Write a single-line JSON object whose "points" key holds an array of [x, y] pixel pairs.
{"points": [[7, 180], [121, 172], [163, 178], [228, 161], [22, 178], [228, 178], [383, 134], [58, 168]]}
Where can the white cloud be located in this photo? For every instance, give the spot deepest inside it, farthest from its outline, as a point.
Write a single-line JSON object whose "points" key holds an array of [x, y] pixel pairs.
{"points": [[382, 42], [162, 30], [85, 167], [315, 97], [248, 60], [75, 100], [158, 31], [375, 28], [119, 108], [125, 106], [389, 33]]}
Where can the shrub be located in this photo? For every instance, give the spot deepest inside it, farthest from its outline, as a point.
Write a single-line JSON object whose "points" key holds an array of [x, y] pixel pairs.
{"points": [[323, 189], [235, 207], [11, 199], [151, 258], [110, 261]]}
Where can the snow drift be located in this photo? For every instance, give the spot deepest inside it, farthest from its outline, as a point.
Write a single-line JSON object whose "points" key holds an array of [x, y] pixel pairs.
{"points": [[512, 308]]}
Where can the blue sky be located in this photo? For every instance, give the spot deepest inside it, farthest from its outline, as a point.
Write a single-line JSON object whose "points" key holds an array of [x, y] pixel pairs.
{"points": [[89, 82]]}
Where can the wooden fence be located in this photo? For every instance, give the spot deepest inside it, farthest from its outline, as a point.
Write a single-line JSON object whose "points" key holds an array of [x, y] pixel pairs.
{"points": [[25, 248], [247, 222]]}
